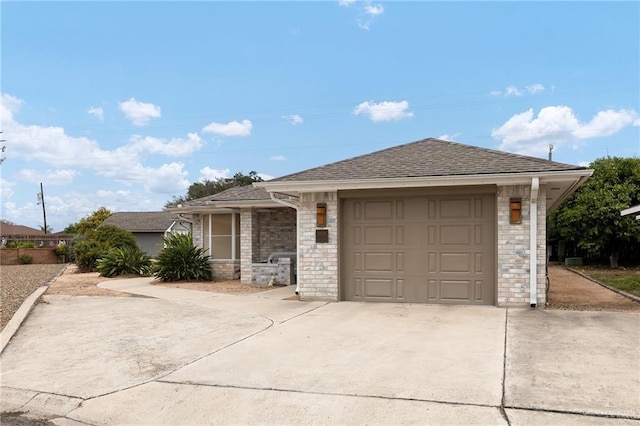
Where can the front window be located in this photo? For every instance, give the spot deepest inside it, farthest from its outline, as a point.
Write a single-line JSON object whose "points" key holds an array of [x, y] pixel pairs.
{"points": [[222, 235]]}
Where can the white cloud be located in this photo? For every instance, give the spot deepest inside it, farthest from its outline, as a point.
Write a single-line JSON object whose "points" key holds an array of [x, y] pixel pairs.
{"points": [[294, 118], [277, 158], [526, 134], [512, 91], [174, 147], [535, 88], [232, 128], [265, 176], [53, 178], [384, 111], [450, 138], [367, 11], [6, 189], [167, 179], [123, 164], [636, 123], [373, 9], [213, 174], [515, 91], [139, 112], [97, 112]]}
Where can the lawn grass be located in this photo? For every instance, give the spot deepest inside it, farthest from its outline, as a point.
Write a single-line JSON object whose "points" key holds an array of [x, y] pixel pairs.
{"points": [[625, 279]]}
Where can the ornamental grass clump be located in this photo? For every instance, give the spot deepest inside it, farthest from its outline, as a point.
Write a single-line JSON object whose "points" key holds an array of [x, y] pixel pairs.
{"points": [[180, 260], [123, 261]]}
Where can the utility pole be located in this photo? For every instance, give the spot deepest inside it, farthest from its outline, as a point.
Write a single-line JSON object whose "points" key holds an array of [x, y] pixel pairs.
{"points": [[44, 212]]}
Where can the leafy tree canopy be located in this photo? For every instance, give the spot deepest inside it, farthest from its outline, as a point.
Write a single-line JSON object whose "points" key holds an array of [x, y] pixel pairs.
{"points": [[591, 216], [89, 223], [210, 187]]}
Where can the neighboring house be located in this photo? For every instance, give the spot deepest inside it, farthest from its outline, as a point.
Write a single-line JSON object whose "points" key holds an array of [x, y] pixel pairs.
{"points": [[10, 229], [149, 228], [426, 222], [631, 210]]}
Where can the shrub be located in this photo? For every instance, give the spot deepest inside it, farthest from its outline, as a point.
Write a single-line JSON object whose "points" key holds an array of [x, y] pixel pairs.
{"points": [[181, 260], [97, 243], [127, 260], [21, 244], [25, 259]]}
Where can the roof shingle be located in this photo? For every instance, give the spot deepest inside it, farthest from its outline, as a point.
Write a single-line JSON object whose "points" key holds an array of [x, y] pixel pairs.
{"points": [[427, 158], [143, 221]]}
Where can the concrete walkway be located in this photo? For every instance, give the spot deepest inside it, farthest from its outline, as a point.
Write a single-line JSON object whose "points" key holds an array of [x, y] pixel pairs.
{"points": [[176, 356]]}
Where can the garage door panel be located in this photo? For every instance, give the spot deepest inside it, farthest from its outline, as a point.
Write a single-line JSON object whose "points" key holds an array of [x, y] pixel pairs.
{"points": [[378, 235], [379, 262], [378, 210], [455, 290], [455, 234], [455, 208], [455, 262], [378, 288]]}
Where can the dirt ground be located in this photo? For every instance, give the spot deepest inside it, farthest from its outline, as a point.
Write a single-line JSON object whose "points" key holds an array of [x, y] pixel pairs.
{"points": [[72, 283], [570, 291], [567, 290]]}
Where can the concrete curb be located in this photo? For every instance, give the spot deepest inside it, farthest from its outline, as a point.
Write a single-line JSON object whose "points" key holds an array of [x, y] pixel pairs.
{"points": [[608, 287], [23, 311]]}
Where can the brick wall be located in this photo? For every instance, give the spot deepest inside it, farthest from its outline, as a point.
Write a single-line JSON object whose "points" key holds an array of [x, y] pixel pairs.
{"points": [[276, 231], [514, 248], [9, 256], [224, 270], [318, 262]]}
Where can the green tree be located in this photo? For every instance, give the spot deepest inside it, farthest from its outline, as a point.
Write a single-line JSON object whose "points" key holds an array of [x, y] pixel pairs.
{"points": [[90, 222], [209, 187], [591, 219], [96, 244]]}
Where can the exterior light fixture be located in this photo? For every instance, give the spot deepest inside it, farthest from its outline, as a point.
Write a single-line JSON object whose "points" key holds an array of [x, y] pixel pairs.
{"points": [[321, 215], [515, 210]]}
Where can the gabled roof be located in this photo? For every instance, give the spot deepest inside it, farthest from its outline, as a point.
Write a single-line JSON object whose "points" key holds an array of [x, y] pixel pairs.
{"points": [[8, 229], [426, 158], [143, 221], [434, 163]]}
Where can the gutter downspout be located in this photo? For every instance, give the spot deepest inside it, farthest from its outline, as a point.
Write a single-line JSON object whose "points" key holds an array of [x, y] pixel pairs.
{"points": [[533, 242], [293, 206]]}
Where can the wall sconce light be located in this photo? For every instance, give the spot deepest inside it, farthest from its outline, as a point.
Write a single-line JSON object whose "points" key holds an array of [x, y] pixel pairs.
{"points": [[321, 215], [515, 210]]}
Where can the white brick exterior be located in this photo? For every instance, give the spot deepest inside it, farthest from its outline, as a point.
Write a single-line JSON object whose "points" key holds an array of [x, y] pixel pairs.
{"points": [[318, 275], [514, 247]]}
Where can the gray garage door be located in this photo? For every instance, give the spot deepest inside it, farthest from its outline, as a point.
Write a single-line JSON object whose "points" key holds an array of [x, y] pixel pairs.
{"points": [[426, 249]]}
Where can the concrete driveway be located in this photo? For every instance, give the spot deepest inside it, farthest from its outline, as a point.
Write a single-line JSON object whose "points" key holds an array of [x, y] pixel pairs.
{"points": [[177, 356]]}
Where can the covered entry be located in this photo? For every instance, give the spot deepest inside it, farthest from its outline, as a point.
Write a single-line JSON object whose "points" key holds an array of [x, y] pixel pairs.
{"points": [[428, 247]]}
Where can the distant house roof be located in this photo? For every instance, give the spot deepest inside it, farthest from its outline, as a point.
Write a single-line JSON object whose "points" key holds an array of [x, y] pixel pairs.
{"points": [[427, 158], [7, 229], [143, 221]]}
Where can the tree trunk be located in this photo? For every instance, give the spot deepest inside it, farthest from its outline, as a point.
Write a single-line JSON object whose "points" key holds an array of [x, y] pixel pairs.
{"points": [[613, 259]]}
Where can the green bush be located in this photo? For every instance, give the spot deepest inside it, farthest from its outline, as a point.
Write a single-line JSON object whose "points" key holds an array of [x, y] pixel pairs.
{"points": [[25, 259], [97, 243], [127, 260], [181, 260], [21, 244]]}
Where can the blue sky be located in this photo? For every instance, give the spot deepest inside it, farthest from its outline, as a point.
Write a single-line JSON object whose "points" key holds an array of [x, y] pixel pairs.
{"points": [[125, 104]]}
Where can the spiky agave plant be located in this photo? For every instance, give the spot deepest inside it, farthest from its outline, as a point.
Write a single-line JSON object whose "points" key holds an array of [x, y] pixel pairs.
{"points": [[180, 260], [126, 260]]}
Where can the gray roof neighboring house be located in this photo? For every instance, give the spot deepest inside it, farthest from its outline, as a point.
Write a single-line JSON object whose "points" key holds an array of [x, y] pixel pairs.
{"points": [[144, 221]]}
